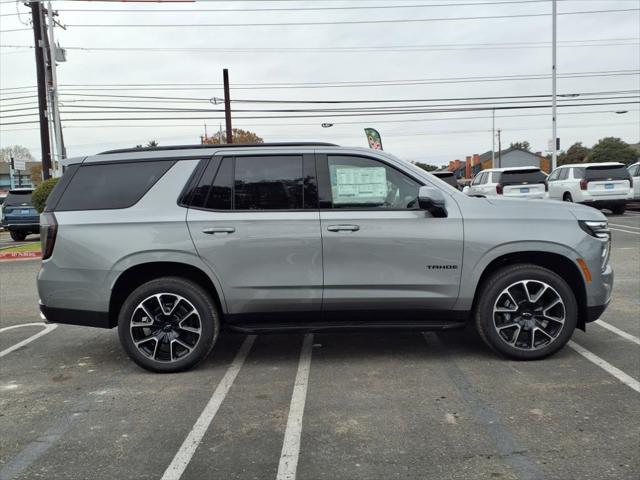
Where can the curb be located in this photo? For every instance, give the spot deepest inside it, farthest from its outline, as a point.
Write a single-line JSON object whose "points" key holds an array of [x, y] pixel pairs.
{"points": [[9, 256]]}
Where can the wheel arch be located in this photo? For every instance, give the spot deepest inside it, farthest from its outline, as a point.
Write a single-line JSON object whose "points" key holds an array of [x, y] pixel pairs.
{"points": [[555, 262], [138, 274]]}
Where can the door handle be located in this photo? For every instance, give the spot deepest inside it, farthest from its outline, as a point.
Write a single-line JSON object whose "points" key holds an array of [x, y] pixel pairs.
{"points": [[343, 228], [214, 230]]}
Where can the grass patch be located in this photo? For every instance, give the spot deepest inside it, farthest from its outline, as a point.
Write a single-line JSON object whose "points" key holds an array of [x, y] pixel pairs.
{"points": [[29, 247]]}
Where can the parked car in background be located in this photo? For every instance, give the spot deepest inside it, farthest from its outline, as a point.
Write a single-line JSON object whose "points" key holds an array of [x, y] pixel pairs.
{"points": [[522, 182], [18, 214], [600, 185], [634, 171], [176, 243], [447, 177]]}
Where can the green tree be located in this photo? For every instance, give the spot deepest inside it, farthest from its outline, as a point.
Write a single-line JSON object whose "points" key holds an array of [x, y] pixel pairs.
{"points": [[426, 166], [152, 143], [612, 149], [576, 153], [521, 145], [41, 193], [239, 136]]}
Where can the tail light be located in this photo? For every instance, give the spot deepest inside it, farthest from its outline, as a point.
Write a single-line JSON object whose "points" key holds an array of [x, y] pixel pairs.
{"points": [[583, 184], [499, 188], [48, 233]]}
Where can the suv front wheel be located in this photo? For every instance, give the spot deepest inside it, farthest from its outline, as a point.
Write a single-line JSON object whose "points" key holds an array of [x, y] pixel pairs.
{"points": [[526, 312], [168, 325]]}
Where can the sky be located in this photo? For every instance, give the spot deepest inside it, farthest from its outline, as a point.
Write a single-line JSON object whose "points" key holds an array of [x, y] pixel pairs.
{"points": [[433, 55]]}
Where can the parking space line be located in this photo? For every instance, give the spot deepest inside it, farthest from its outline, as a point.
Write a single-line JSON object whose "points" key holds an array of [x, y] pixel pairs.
{"points": [[625, 231], [624, 226], [38, 447], [617, 331], [606, 366], [291, 444], [48, 328], [180, 461], [507, 446]]}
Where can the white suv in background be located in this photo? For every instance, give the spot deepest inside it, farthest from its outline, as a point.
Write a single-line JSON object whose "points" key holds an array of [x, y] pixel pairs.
{"points": [[634, 171], [523, 182], [600, 185]]}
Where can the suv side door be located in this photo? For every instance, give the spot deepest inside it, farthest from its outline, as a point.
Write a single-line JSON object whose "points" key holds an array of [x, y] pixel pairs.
{"points": [[380, 252], [254, 220], [553, 184]]}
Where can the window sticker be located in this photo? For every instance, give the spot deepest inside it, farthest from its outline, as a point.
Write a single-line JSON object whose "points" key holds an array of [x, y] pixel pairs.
{"points": [[359, 185]]}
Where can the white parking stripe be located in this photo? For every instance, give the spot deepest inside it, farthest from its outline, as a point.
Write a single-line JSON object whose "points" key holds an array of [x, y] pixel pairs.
{"points": [[606, 366], [625, 231], [624, 226], [291, 445], [48, 328], [179, 463], [617, 331]]}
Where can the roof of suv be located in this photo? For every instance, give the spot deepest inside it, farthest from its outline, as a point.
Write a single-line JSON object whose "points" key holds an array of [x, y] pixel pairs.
{"points": [[224, 145], [511, 169], [587, 165]]}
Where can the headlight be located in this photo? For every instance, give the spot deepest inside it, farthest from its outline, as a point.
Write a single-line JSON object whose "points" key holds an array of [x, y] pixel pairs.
{"points": [[600, 230]]}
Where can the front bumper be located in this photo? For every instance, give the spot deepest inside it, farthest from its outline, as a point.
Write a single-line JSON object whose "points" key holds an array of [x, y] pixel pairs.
{"points": [[67, 316]]}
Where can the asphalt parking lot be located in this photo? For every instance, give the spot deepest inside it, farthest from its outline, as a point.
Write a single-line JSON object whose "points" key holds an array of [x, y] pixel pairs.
{"points": [[349, 406]]}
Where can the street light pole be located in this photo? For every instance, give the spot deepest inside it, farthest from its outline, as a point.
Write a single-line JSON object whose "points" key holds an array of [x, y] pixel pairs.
{"points": [[554, 133], [493, 137]]}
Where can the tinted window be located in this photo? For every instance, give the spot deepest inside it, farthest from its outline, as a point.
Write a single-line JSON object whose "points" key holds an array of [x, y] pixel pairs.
{"points": [[17, 197], [515, 177], [358, 182], [200, 192], [607, 173], [268, 183], [554, 175], [564, 173], [222, 188], [112, 185], [578, 172]]}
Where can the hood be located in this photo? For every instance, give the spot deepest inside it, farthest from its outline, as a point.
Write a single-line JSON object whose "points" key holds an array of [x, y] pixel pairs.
{"points": [[547, 208]]}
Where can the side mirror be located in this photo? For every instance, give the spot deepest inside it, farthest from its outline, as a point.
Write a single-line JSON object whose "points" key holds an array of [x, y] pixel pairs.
{"points": [[432, 200], [465, 190]]}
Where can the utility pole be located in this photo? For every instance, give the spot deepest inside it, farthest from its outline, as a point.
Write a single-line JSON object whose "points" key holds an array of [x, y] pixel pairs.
{"points": [[499, 150], [493, 137], [227, 105], [45, 141], [53, 91], [554, 132]]}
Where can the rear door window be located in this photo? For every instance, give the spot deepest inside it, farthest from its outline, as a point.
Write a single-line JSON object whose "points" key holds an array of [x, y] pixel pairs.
{"points": [[15, 198], [519, 177], [111, 185], [607, 173]]}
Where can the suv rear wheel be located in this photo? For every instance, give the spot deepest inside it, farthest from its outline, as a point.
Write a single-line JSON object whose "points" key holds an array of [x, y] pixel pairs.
{"points": [[17, 236], [526, 312], [168, 325]]}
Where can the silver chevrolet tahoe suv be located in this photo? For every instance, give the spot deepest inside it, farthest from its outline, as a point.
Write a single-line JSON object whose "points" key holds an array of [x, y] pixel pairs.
{"points": [[174, 244]]}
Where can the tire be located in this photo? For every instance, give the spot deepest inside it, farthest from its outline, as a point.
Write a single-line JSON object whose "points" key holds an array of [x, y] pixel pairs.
{"points": [[619, 209], [530, 317], [567, 197], [17, 236], [176, 341]]}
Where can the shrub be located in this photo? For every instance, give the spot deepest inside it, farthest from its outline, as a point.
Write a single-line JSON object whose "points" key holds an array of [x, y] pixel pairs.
{"points": [[41, 193]]}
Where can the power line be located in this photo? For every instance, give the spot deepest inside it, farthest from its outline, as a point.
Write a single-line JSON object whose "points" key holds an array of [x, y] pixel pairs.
{"points": [[339, 22]]}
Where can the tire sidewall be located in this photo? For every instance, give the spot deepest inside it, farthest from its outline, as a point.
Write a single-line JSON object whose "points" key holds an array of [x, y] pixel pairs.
{"points": [[497, 283], [203, 303]]}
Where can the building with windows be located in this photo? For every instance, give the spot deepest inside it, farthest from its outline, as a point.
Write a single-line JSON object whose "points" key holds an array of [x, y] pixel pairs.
{"points": [[511, 157]]}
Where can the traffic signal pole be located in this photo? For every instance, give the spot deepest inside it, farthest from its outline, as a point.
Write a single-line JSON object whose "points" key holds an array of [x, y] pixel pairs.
{"points": [[45, 141]]}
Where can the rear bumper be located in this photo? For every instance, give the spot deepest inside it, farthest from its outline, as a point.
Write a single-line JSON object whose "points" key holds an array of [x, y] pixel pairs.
{"points": [[22, 227], [67, 316]]}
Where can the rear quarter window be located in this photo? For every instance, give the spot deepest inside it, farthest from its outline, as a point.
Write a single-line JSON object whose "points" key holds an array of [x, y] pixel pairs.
{"points": [[607, 173], [110, 185]]}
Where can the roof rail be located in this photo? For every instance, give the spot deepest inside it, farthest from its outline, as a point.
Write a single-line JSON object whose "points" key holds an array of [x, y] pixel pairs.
{"points": [[224, 145]]}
